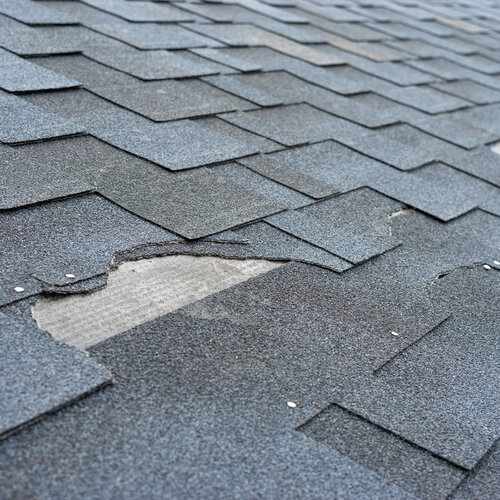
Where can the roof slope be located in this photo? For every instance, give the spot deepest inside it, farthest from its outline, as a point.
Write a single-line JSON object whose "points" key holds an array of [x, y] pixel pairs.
{"points": [[351, 140]]}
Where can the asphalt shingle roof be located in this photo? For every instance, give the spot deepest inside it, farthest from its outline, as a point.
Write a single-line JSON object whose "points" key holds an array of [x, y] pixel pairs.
{"points": [[349, 140]]}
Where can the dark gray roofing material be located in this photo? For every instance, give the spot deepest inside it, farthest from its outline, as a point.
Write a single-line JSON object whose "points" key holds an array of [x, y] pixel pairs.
{"points": [[351, 136], [39, 375]]}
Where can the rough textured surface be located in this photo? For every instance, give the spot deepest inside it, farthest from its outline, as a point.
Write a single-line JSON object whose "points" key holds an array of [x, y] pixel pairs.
{"points": [[352, 143], [40, 374], [411, 468], [79, 236], [22, 122], [216, 203]]}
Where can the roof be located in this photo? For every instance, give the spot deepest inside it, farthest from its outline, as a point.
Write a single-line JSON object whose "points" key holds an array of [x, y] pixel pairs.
{"points": [[249, 248]]}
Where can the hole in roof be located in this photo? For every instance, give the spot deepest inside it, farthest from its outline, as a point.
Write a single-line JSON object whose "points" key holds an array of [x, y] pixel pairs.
{"points": [[140, 291]]}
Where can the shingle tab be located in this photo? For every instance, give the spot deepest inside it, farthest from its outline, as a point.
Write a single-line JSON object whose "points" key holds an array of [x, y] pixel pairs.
{"points": [[34, 13], [142, 11], [40, 374], [23, 122], [172, 100], [340, 225], [19, 75], [215, 204]]}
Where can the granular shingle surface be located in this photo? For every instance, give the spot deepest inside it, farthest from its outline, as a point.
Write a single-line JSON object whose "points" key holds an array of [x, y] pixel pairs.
{"points": [[353, 143]]}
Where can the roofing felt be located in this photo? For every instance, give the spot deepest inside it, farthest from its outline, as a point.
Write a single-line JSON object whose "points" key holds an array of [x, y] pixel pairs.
{"points": [[349, 141]]}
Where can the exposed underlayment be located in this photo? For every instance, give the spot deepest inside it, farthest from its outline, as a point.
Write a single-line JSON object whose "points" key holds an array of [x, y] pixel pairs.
{"points": [[138, 292], [249, 249]]}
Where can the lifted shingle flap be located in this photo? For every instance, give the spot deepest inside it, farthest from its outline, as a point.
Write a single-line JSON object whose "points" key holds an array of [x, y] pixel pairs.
{"points": [[39, 374]]}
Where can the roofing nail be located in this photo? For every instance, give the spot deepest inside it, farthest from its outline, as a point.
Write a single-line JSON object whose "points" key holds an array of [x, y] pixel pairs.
{"points": [[396, 334], [496, 263], [19, 289], [291, 404], [69, 275], [487, 267]]}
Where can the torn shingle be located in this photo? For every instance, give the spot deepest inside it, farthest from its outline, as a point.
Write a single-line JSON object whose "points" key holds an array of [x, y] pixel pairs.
{"points": [[41, 244]]}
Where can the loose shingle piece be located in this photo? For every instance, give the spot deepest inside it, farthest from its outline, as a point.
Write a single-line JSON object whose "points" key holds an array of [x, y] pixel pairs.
{"points": [[355, 145]]}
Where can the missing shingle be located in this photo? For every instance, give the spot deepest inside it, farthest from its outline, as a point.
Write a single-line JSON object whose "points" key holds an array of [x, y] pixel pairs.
{"points": [[139, 291]]}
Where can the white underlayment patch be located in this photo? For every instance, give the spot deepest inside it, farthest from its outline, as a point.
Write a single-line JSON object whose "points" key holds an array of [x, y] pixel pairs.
{"points": [[140, 291]]}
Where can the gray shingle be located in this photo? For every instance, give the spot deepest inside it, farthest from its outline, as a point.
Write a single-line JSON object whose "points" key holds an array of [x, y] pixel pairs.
{"points": [[41, 244], [175, 145], [23, 122], [272, 169], [34, 13], [215, 203], [142, 11], [341, 225], [471, 91], [411, 468], [19, 75], [40, 374], [172, 100], [263, 185], [290, 90]]}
